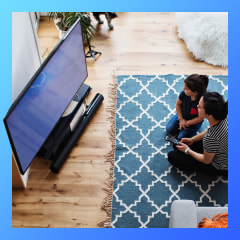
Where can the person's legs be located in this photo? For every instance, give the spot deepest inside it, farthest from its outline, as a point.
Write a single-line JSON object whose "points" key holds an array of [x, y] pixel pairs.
{"points": [[172, 126], [187, 163]]}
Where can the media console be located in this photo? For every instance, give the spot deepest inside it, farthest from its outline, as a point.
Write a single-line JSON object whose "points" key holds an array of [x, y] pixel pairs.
{"points": [[70, 127]]}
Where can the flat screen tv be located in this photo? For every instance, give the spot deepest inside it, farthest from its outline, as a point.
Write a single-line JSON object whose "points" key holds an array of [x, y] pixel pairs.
{"points": [[40, 105]]}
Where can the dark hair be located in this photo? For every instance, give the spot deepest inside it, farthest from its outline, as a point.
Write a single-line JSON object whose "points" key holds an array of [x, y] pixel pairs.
{"points": [[197, 83], [215, 105]]}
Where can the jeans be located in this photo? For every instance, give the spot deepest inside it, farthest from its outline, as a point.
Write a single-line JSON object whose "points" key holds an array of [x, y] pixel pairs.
{"points": [[173, 125]]}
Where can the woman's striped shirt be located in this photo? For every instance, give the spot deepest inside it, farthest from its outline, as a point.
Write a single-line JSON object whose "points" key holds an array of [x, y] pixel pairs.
{"points": [[216, 141]]}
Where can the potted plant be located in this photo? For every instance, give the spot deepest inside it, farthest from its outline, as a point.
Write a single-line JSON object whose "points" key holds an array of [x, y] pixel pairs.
{"points": [[64, 20]]}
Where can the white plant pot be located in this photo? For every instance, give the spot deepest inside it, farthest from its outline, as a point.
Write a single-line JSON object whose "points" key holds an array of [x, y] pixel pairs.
{"points": [[60, 32]]}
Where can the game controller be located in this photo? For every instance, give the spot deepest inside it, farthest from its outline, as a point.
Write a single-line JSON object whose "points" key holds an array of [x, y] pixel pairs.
{"points": [[172, 140]]}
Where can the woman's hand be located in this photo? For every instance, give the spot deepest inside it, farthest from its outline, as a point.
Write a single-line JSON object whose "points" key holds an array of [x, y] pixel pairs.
{"points": [[182, 147], [187, 141]]}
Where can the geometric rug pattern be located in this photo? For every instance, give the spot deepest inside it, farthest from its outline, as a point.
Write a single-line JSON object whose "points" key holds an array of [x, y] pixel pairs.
{"points": [[145, 183]]}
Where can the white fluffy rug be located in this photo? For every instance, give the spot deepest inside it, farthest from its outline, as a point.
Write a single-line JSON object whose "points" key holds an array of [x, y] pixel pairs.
{"points": [[206, 36]]}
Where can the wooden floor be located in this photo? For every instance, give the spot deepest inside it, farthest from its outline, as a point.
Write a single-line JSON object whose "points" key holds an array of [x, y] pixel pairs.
{"points": [[141, 43]]}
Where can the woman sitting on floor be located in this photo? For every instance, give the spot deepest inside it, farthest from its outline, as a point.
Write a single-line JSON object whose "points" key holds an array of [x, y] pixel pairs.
{"points": [[206, 152]]}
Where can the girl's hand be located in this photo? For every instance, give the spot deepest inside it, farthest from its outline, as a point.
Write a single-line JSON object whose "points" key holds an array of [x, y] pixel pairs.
{"points": [[187, 124], [182, 124]]}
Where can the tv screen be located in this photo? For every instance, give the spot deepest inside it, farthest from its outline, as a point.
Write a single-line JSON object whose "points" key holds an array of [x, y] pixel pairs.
{"points": [[38, 108]]}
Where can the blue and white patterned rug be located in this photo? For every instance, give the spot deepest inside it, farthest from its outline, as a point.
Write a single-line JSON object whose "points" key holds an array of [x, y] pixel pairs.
{"points": [[145, 183]]}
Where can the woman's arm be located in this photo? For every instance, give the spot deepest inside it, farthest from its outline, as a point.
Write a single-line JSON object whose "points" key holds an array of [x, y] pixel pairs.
{"points": [[206, 157], [198, 137]]}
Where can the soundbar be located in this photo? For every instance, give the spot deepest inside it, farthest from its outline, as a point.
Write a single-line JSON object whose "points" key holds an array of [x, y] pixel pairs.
{"points": [[60, 134], [74, 134]]}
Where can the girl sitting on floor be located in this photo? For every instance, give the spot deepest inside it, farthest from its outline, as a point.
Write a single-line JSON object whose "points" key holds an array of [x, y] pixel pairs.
{"points": [[186, 122]]}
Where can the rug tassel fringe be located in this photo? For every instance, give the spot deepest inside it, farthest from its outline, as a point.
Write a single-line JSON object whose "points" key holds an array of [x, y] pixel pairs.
{"points": [[110, 156]]}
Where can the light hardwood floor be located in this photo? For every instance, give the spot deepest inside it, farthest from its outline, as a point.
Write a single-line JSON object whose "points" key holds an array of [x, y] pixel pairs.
{"points": [[141, 43]]}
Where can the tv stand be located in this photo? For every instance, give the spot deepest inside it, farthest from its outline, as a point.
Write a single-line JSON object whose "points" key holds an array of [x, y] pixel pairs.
{"points": [[69, 128], [91, 53]]}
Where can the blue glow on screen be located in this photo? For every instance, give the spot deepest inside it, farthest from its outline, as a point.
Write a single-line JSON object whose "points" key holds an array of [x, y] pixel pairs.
{"points": [[38, 111]]}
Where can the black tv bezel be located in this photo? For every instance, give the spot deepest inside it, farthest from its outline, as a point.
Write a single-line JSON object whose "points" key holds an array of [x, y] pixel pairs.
{"points": [[28, 85]]}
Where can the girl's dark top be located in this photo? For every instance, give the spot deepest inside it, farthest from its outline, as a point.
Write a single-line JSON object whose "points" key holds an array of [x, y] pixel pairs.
{"points": [[189, 107]]}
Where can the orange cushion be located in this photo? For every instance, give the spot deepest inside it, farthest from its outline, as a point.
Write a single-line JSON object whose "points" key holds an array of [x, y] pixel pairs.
{"points": [[218, 221]]}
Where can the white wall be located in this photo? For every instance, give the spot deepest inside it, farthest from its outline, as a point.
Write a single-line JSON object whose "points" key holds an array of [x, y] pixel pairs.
{"points": [[26, 59], [44, 14]]}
